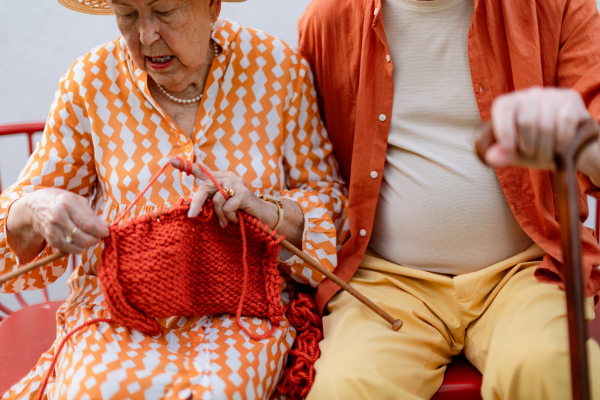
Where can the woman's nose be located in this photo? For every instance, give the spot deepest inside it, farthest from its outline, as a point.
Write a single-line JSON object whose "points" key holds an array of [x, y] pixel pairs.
{"points": [[149, 32]]}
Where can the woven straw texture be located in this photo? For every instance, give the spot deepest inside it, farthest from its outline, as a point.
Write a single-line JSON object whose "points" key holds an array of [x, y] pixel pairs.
{"points": [[100, 7], [166, 264]]}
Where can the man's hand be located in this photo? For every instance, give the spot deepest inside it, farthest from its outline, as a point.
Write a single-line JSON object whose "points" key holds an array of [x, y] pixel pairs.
{"points": [[529, 126]]}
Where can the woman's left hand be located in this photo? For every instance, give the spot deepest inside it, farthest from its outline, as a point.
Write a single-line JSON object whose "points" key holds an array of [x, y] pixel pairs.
{"points": [[243, 197]]}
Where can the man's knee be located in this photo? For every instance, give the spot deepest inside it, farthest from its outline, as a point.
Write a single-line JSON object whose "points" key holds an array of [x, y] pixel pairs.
{"points": [[537, 368]]}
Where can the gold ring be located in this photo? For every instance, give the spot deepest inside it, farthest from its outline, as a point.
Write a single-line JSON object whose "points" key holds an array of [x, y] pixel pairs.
{"points": [[69, 238], [230, 192]]}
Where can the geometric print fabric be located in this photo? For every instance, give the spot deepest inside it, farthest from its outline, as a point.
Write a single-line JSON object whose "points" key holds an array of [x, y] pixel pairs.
{"points": [[105, 138]]}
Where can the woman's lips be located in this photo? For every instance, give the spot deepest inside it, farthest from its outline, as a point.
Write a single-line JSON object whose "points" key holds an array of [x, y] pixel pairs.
{"points": [[160, 62]]}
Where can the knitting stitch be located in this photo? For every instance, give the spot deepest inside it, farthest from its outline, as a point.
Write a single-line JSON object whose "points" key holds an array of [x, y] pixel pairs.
{"points": [[166, 264]]}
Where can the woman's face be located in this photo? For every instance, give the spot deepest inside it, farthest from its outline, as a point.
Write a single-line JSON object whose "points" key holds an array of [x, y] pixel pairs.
{"points": [[168, 39]]}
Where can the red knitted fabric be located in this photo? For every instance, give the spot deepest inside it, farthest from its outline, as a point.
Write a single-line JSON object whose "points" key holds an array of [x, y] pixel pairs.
{"points": [[166, 264]]}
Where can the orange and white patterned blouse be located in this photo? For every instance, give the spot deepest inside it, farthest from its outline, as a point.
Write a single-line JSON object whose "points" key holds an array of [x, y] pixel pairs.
{"points": [[104, 139]]}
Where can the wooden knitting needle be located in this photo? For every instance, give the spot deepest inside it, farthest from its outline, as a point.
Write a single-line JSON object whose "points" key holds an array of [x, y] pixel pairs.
{"points": [[396, 323], [31, 266]]}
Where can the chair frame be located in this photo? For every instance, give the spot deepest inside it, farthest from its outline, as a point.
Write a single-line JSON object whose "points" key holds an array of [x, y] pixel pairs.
{"points": [[26, 344], [29, 129]]}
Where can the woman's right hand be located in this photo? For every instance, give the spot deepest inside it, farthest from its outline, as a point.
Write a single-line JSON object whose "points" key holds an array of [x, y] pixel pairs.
{"points": [[62, 219]]}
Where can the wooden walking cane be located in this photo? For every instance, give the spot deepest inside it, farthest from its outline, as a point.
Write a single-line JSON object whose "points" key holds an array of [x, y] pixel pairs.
{"points": [[568, 204]]}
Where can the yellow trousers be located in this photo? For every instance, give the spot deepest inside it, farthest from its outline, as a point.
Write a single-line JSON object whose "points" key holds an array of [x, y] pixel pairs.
{"points": [[510, 326]]}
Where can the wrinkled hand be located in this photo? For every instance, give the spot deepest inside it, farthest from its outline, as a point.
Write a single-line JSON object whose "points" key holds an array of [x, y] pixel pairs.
{"points": [[65, 220], [243, 198], [531, 125]]}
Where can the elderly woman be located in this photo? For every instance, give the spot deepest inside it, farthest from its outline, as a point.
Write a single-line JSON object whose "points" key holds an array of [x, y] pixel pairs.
{"points": [[179, 82]]}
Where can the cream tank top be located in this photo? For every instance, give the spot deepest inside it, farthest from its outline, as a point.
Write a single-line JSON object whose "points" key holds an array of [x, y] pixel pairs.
{"points": [[440, 209]]}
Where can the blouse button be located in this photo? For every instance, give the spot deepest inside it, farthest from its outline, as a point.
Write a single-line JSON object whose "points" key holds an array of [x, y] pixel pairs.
{"points": [[382, 117], [363, 233], [388, 58], [188, 148], [373, 174]]}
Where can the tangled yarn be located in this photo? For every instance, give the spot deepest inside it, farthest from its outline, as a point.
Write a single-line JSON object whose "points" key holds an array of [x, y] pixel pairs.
{"points": [[299, 374]]}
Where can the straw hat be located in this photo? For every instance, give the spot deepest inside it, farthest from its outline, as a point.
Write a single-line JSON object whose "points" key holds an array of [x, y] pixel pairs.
{"points": [[99, 7]]}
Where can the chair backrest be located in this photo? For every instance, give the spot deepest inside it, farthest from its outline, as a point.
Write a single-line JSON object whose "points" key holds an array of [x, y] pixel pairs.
{"points": [[28, 129]]}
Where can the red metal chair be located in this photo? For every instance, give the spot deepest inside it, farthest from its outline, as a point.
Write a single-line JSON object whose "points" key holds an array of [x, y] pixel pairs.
{"points": [[29, 331]]}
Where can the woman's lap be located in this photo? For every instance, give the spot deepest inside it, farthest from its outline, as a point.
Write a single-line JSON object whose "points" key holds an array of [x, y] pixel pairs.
{"points": [[197, 358]]}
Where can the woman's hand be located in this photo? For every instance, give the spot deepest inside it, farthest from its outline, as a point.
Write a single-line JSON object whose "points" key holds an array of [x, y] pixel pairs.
{"points": [[243, 197], [62, 219], [531, 125]]}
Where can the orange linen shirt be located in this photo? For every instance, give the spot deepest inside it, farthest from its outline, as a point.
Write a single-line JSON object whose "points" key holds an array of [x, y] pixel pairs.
{"points": [[511, 45]]}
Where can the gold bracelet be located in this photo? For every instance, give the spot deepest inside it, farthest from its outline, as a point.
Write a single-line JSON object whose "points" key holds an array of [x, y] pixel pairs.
{"points": [[279, 208]]}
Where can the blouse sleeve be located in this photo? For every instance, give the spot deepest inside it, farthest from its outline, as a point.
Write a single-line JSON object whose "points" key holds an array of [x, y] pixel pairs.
{"points": [[313, 181], [63, 159]]}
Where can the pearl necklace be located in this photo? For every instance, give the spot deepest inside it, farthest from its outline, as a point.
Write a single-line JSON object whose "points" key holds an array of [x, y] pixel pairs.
{"points": [[185, 101], [175, 99]]}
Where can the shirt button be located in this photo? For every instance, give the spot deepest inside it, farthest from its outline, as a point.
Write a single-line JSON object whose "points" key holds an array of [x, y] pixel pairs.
{"points": [[363, 233], [480, 89], [188, 148], [373, 174], [376, 11], [388, 58], [382, 117]]}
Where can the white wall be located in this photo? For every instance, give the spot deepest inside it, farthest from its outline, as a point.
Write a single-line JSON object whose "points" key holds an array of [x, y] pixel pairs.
{"points": [[39, 39]]}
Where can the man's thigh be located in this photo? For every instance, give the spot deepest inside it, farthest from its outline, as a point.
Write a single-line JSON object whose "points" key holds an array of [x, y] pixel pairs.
{"points": [[362, 357], [520, 342]]}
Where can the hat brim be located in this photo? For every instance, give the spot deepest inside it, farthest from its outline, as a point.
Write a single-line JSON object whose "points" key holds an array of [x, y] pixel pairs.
{"points": [[99, 7]]}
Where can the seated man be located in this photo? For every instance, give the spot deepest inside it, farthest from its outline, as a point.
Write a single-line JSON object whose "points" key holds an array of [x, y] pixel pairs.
{"points": [[467, 256]]}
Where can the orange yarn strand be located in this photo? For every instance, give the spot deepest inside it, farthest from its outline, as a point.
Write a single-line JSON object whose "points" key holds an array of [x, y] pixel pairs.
{"points": [[139, 196], [60, 347], [187, 165]]}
